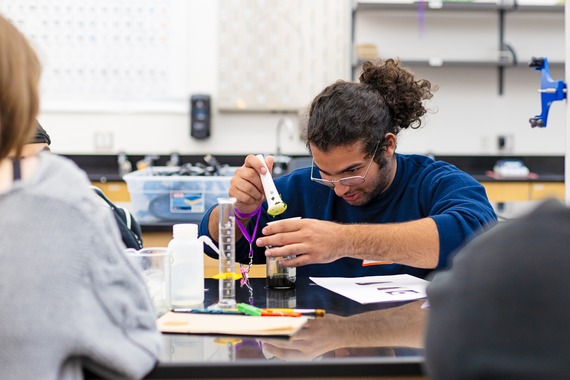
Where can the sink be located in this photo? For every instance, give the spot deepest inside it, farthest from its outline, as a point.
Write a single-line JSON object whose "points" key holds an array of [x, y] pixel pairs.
{"points": [[299, 162]]}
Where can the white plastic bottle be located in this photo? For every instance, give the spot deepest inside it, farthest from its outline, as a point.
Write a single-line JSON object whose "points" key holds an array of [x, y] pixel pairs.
{"points": [[187, 266]]}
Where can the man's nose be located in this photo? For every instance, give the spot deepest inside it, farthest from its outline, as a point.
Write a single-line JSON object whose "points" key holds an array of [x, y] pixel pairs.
{"points": [[340, 189]]}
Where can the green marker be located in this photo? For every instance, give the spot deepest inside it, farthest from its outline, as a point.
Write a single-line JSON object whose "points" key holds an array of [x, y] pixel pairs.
{"points": [[275, 205], [249, 309]]}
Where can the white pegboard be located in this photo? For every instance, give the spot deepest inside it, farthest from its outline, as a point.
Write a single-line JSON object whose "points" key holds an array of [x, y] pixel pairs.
{"points": [[277, 55], [107, 55]]}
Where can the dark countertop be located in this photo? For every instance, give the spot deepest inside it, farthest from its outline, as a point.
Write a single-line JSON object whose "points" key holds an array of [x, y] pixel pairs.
{"points": [[158, 227], [104, 168], [547, 168], [387, 352], [539, 178]]}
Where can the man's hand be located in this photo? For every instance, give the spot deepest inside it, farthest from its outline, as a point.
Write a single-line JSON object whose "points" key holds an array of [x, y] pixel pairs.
{"points": [[318, 337], [246, 188], [312, 241], [414, 243], [246, 185]]}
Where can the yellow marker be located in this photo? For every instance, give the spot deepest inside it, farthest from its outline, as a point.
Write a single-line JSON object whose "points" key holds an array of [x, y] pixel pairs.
{"points": [[275, 205]]}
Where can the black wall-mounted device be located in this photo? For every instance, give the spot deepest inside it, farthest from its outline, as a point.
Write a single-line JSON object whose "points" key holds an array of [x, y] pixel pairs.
{"points": [[200, 116]]}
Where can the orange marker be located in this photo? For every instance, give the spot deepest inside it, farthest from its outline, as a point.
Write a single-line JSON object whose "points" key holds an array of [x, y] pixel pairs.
{"points": [[279, 313], [299, 312]]}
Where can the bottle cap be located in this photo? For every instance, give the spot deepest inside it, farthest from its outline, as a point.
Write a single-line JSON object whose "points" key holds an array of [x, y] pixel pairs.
{"points": [[185, 230]]}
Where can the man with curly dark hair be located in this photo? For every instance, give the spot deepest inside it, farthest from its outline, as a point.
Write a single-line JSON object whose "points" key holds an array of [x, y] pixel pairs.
{"points": [[361, 203]]}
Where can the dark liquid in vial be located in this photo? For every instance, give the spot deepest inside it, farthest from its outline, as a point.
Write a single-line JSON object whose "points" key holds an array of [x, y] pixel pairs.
{"points": [[278, 282]]}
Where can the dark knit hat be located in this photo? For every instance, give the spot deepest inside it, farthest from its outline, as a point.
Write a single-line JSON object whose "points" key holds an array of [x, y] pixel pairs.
{"points": [[41, 135]]}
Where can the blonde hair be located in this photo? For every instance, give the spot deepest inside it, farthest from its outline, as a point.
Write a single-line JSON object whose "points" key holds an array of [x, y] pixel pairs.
{"points": [[19, 89]]}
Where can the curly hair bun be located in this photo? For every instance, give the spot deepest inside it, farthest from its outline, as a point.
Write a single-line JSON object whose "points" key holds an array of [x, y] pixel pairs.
{"points": [[399, 88]]}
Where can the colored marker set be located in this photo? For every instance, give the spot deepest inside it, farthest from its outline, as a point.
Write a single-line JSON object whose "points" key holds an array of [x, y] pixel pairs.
{"points": [[258, 312], [245, 309]]}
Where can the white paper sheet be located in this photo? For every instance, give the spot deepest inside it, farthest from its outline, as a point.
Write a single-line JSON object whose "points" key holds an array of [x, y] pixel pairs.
{"points": [[372, 289]]}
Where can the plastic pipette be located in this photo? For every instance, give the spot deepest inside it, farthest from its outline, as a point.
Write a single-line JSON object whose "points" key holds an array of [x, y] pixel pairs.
{"points": [[275, 205]]}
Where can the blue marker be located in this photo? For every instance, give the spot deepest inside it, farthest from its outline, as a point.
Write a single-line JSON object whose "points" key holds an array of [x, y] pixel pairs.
{"points": [[208, 311]]}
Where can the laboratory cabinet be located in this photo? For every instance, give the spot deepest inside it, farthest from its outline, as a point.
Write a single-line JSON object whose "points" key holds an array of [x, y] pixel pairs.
{"points": [[116, 191], [544, 190], [512, 191]]}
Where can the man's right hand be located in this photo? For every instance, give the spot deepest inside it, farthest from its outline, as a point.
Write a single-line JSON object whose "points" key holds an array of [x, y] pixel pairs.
{"points": [[246, 185]]}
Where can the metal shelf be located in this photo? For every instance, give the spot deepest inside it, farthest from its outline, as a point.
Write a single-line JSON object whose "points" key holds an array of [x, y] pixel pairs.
{"points": [[458, 6], [449, 62], [463, 63], [501, 10]]}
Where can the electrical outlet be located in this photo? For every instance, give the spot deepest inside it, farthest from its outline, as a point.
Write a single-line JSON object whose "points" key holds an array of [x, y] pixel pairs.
{"points": [[103, 140], [505, 143], [485, 144]]}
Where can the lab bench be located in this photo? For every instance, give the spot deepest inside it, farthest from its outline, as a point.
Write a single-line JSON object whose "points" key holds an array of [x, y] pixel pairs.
{"points": [[346, 345]]}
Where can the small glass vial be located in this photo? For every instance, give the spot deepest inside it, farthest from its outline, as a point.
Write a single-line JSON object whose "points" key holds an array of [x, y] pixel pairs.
{"points": [[278, 276], [281, 298]]}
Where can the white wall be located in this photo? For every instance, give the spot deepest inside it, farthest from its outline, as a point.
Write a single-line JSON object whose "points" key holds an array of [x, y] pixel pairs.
{"points": [[470, 113], [162, 133]]}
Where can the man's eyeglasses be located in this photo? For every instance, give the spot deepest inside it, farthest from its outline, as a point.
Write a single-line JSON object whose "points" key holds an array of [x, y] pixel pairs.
{"points": [[347, 181]]}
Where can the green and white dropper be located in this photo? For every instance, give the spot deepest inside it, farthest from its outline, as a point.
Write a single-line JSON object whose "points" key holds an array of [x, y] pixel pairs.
{"points": [[275, 205]]}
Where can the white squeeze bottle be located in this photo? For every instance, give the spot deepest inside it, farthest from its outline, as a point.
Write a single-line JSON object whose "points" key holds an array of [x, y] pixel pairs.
{"points": [[187, 266]]}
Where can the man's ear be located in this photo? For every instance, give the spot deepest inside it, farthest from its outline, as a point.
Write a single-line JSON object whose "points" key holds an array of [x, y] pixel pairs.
{"points": [[390, 146]]}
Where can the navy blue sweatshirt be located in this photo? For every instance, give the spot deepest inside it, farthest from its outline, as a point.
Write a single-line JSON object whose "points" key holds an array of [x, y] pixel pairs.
{"points": [[421, 188]]}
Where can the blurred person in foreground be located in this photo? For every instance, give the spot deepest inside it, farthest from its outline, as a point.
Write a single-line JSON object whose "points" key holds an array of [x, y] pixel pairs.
{"points": [[361, 202], [502, 310], [71, 299]]}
